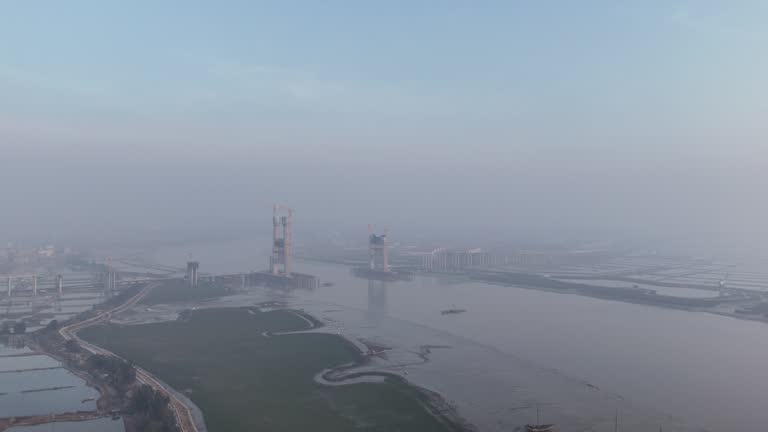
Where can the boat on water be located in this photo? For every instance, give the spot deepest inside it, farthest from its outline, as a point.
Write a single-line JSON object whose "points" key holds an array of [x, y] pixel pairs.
{"points": [[540, 428], [452, 311], [327, 284]]}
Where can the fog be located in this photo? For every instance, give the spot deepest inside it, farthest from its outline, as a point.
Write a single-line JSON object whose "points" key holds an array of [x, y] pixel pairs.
{"points": [[569, 200], [521, 189], [639, 124]]}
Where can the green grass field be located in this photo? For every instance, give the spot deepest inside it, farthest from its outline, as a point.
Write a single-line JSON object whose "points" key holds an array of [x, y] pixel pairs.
{"points": [[173, 291], [244, 381]]}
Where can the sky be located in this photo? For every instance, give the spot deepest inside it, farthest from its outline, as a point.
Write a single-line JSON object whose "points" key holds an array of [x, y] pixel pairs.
{"points": [[496, 119]]}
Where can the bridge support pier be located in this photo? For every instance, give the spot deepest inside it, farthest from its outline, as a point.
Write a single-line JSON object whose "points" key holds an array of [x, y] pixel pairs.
{"points": [[193, 276]]}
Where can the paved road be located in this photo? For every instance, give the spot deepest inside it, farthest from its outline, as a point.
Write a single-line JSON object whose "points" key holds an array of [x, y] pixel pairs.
{"points": [[181, 410]]}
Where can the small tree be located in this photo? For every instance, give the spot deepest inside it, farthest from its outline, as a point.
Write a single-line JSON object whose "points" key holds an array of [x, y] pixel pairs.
{"points": [[72, 346], [152, 410], [97, 361], [52, 325], [142, 399], [121, 373], [124, 374], [20, 327]]}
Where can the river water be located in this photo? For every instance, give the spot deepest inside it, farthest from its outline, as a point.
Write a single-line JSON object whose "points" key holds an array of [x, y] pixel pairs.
{"points": [[581, 360]]}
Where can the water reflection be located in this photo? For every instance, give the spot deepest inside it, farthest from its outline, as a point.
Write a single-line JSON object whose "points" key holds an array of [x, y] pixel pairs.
{"points": [[377, 300], [278, 294]]}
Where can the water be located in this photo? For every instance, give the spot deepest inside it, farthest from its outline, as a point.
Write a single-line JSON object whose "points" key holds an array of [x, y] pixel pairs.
{"points": [[6, 350], [51, 389], [98, 425], [692, 366], [36, 392], [27, 362], [517, 348]]}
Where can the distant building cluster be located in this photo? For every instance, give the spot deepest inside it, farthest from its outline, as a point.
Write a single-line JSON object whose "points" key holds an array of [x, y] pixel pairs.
{"points": [[448, 260], [23, 255], [47, 251]]}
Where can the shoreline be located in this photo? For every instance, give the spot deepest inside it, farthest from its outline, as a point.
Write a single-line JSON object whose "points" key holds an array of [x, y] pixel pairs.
{"points": [[52, 342], [469, 276], [734, 315], [432, 401], [103, 399]]}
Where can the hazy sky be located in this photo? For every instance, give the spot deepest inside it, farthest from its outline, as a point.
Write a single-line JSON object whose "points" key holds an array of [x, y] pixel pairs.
{"points": [[510, 118]]}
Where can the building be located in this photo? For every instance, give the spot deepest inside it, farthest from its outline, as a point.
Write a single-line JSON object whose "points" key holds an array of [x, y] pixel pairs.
{"points": [[444, 260]]}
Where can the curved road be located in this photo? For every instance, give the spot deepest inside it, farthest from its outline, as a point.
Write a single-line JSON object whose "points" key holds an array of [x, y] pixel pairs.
{"points": [[182, 412]]}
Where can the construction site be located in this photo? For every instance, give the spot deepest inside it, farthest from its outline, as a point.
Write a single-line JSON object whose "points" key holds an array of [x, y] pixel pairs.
{"points": [[379, 267], [281, 261]]}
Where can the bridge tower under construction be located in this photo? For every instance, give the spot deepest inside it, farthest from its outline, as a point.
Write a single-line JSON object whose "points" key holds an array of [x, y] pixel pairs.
{"points": [[282, 226], [378, 249], [110, 278], [193, 278]]}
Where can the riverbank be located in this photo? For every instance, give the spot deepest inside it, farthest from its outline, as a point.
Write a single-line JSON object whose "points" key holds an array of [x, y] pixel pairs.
{"points": [[737, 303], [74, 394], [209, 355], [112, 379], [124, 390]]}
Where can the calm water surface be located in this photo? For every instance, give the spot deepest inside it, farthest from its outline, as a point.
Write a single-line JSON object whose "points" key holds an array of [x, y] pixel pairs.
{"points": [[35, 392]]}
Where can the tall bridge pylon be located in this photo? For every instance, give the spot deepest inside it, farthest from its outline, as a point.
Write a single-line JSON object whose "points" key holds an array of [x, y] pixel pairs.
{"points": [[282, 236], [378, 249]]}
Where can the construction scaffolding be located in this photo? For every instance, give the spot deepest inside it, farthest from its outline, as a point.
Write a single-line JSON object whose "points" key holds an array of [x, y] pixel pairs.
{"points": [[282, 226], [378, 250]]}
